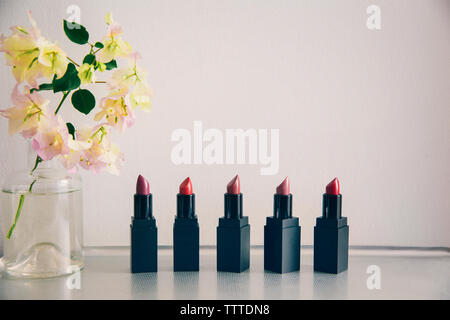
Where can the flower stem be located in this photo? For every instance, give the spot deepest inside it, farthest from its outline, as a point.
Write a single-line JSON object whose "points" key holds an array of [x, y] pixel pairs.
{"points": [[22, 199], [19, 209], [65, 94], [73, 62], [36, 163]]}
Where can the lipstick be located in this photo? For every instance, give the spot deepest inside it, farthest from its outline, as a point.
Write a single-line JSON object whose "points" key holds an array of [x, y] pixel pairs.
{"points": [[144, 233], [186, 230], [331, 233], [282, 234], [233, 232]]}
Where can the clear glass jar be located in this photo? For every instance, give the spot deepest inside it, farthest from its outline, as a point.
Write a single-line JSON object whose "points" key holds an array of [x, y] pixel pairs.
{"points": [[47, 238]]}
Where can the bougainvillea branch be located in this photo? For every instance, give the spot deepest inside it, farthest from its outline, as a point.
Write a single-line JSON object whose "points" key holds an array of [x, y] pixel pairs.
{"points": [[38, 65]]}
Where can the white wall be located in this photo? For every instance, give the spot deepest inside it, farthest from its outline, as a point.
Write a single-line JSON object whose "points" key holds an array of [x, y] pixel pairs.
{"points": [[371, 107]]}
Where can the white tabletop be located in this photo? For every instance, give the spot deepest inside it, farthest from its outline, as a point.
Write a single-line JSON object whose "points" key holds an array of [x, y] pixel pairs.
{"points": [[405, 274]]}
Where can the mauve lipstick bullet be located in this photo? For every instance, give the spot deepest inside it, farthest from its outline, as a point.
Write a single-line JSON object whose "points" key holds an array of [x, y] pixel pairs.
{"points": [[282, 234], [233, 232], [144, 233], [142, 186]]}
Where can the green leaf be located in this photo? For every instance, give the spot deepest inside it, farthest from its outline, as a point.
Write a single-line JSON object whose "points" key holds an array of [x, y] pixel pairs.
{"points": [[71, 129], [99, 45], [111, 65], [69, 81], [76, 32], [90, 59], [44, 86], [83, 100]]}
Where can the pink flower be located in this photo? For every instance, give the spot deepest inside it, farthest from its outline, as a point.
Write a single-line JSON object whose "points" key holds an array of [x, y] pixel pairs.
{"points": [[51, 138], [71, 159], [26, 113], [114, 45], [115, 108], [140, 96], [102, 153], [133, 78], [31, 56]]}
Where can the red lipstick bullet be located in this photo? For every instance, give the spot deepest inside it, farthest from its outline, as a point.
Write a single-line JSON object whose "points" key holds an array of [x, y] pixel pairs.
{"points": [[186, 187], [144, 233], [331, 233], [333, 187], [186, 230], [233, 232]]}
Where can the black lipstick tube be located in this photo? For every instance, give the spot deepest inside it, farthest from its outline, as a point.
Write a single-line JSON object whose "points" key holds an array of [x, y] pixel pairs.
{"points": [[331, 237], [144, 236], [282, 237], [233, 237], [186, 235]]}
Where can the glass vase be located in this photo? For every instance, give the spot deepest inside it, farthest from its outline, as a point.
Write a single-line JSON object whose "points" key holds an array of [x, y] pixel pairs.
{"points": [[41, 223]]}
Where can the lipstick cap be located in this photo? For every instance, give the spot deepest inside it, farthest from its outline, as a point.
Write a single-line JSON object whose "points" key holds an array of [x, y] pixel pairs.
{"points": [[282, 245], [144, 245], [233, 245], [186, 244], [331, 248]]}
